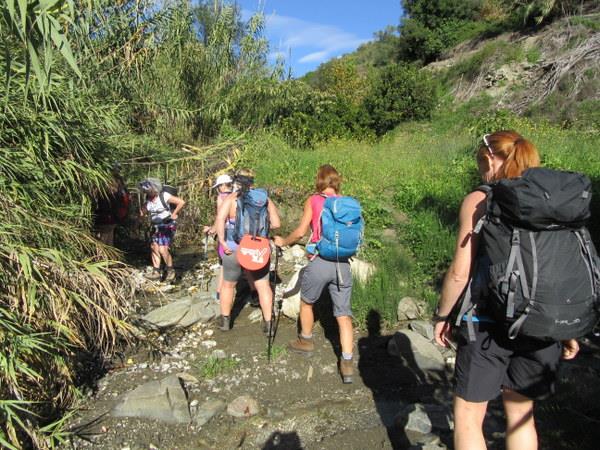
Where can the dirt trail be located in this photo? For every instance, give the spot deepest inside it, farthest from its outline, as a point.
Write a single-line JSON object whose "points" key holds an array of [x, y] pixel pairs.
{"points": [[302, 401]]}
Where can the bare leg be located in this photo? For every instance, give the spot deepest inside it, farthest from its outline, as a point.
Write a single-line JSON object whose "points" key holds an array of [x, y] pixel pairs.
{"points": [[265, 297], [346, 334], [155, 253], [166, 255], [520, 424], [226, 303], [220, 281], [307, 318], [468, 424]]}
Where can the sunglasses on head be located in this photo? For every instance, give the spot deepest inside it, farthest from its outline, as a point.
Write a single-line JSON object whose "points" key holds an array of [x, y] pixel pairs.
{"points": [[487, 143]]}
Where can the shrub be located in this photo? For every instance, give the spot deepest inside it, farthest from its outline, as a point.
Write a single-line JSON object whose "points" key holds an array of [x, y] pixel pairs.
{"points": [[399, 94]]}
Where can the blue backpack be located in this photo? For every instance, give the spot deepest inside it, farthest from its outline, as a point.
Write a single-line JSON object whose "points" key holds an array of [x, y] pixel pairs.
{"points": [[252, 216], [342, 227]]}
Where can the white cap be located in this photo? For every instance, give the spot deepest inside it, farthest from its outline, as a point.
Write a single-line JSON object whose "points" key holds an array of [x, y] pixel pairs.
{"points": [[222, 179]]}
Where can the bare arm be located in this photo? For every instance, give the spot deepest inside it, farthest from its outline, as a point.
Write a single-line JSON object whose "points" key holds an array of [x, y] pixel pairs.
{"points": [[457, 277], [300, 231], [212, 229], [222, 215], [178, 202], [274, 220]]}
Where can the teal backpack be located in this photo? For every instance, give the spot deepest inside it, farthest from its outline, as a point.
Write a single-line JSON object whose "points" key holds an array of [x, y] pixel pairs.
{"points": [[342, 228]]}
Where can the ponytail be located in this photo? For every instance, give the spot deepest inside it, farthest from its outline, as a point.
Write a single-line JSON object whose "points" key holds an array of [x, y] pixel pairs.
{"points": [[518, 153]]}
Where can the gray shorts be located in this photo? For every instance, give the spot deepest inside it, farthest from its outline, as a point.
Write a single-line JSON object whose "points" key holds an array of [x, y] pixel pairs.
{"points": [[232, 271], [319, 274]]}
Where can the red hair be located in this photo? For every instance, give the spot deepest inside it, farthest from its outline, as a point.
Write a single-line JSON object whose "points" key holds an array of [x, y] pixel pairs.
{"points": [[518, 153]]}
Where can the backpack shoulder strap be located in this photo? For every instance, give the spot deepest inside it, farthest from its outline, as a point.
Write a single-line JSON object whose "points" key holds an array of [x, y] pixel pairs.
{"points": [[487, 190], [161, 196]]}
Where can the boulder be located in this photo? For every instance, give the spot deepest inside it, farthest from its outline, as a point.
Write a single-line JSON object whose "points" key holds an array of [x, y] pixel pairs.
{"points": [[418, 353], [361, 270], [408, 309], [423, 327], [290, 306], [207, 411], [163, 400], [420, 420], [183, 313], [243, 406]]}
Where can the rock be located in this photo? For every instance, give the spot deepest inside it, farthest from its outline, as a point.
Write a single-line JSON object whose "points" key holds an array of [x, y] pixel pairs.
{"points": [[209, 344], [296, 253], [436, 445], [243, 406], [188, 378], [418, 354], [183, 313], [163, 400], [422, 327], [361, 270], [255, 316], [207, 411], [408, 309], [420, 420], [219, 354], [290, 306]]}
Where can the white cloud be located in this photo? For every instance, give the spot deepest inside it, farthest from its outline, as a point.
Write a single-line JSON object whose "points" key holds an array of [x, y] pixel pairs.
{"points": [[314, 57], [300, 36]]}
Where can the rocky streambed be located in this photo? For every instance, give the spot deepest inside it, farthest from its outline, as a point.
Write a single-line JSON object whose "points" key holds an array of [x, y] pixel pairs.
{"points": [[187, 385]]}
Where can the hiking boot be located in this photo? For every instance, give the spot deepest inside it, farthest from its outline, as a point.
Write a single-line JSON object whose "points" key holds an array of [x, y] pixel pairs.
{"points": [[155, 275], [170, 274], [268, 328], [224, 323], [302, 345], [346, 370]]}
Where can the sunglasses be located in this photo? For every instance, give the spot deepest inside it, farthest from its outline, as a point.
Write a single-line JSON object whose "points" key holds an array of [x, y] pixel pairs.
{"points": [[487, 144]]}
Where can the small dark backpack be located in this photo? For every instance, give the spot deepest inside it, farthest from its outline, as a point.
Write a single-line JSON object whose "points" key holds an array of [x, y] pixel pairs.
{"points": [[252, 216], [169, 190], [537, 269]]}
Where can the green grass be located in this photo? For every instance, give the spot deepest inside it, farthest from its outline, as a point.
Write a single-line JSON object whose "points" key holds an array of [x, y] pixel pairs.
{"points": [[422, 171], [213, 367], [277, 351]]}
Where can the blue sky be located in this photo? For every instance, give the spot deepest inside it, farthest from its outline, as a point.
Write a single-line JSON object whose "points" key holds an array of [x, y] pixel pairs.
{"points": [[309, 32]]}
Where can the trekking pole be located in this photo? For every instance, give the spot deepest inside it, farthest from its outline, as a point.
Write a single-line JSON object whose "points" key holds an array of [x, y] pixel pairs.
{"points": [[206, 247], [273, 329]]}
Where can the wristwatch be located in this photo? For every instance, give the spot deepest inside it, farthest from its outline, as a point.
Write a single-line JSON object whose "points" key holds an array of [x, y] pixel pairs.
{"points": [[436, 316]]}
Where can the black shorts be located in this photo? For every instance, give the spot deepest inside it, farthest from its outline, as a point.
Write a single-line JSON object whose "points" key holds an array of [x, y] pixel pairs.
{"points": [[494, 362]]}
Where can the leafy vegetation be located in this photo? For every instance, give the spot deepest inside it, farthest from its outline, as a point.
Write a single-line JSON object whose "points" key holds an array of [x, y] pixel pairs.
{"points": [[179, 89]]}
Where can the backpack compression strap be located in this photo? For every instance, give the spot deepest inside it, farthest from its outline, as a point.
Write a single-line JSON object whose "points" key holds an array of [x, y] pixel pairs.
{"points": [[511, 277]]}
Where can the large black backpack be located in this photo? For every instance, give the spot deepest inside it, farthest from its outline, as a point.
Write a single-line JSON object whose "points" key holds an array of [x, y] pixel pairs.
{"points": [[537, 269]]}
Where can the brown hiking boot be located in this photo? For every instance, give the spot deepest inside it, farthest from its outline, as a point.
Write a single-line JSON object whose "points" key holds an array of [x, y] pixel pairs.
{"points": [[346, 370], [302, 345], [170, 274], [155, 275]]}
